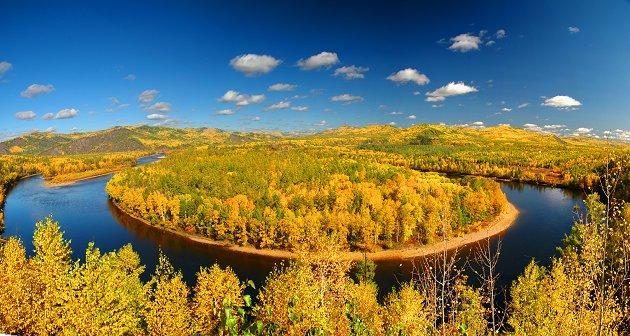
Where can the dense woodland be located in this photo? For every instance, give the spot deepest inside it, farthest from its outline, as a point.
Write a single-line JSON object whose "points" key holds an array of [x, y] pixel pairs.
{"points": [[288, 196], [584, 292], [350, 188]]}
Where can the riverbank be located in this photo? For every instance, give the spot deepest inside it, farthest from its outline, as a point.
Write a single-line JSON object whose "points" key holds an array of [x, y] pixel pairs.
{"points": [[52, 184], [499, 224]]}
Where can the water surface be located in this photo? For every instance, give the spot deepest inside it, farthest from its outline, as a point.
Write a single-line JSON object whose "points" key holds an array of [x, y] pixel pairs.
{"points": [[85, 214]]}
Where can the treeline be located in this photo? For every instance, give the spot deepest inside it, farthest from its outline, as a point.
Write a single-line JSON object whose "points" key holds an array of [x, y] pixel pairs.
{"points": [[502, 152], [58, 169], [288, 196], [584, 292]]}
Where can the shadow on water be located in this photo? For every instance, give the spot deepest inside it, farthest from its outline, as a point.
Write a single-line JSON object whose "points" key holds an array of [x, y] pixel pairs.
{"points": [[86, 214]]}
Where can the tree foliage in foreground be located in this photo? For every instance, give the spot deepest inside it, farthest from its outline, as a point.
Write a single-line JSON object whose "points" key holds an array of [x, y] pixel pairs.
{"points": [[583, 292]]}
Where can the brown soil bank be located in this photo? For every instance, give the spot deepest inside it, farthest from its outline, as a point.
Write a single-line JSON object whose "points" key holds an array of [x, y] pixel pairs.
{"points": [[492, 228]]}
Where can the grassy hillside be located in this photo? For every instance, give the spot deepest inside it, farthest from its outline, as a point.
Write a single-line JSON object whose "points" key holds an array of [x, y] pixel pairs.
{"points": [[122, 139]]}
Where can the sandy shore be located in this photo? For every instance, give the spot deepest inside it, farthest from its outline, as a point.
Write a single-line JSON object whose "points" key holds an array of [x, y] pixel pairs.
{"points": [[494, 227]]}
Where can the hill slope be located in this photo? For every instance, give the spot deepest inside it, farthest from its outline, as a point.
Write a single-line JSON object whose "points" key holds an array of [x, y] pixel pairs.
{"points": [[123, 139]]}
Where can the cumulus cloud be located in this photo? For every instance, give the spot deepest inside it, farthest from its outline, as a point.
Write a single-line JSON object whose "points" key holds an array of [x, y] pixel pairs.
{"points": [[346, 98], [395, 113], [130, 77], [61, 114], [323, 59], [5, 67], [477, 123], [562, 102], [156, 116], [162, 107], [256, 118], [252, 64], [451, 89], [282, 87], [321, 123], [241, 99], [412, 117], [583, 130], [26, 115], [300, 108], [409, 75], [66, 113], [554, 126], [523, 105], [465, 43], [225, 112], [281, 105], [501, 33], [506, 109], [147, 96], [36, 90], [574, 30], [351, 72], [531, 127]]}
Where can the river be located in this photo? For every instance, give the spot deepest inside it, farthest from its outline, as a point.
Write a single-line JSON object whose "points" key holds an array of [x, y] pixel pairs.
{"points": [[86, 214]]}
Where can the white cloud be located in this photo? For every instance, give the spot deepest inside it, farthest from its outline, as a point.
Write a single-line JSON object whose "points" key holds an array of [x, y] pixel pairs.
{"points": [[562, 102], [26, 115], [5, 67], [147, 96], [239, 99], [321, 123], [501, 33], [506, 109], [351, 72], [36, 90], [554, 126], [392, 123], [395, 113], [323, 59], [282, 87], [156, 116], [436, 105], [252, 64], [130, 77], [574, 30], [412, 117], [490, 43], [279, 106], [50, 129], [66, 113], [225, 112], [256, 118], [523, 105], [300, 108], [532, 127], [346, 98], [48, 116], [451, 89], [465, 42], [583, 130], [478, 123], [162, 107], [409, 75]]}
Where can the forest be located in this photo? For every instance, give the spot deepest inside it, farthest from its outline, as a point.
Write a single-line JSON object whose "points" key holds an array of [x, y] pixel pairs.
{"points": [[585, 291], [288, 196], [322, 195]]}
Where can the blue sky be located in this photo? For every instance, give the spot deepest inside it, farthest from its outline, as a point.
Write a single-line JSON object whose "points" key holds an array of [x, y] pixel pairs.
{"points": [[84, 65]]}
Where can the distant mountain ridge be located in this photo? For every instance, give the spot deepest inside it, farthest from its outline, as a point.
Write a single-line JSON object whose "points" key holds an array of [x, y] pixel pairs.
{"points": [[157, 138], [124, 139]]}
